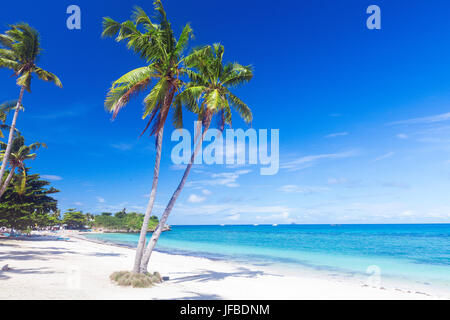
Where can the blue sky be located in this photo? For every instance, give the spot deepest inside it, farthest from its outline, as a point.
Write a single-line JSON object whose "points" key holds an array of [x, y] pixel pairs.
{"points": [[364, 115]]}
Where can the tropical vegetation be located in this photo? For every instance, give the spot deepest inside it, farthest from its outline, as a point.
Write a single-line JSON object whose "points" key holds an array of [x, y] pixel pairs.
{"points": [[28, 203], [123, 222], [19, 51], [19, 154], [5, 108]]}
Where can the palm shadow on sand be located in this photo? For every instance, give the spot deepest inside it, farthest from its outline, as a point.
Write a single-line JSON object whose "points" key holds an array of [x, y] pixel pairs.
{"points": [[200, 296], [210, 275], [5, 275]]}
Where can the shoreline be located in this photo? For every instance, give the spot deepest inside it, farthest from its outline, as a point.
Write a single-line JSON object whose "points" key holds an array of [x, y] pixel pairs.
{"points": [[79, 268], [405, 285]]}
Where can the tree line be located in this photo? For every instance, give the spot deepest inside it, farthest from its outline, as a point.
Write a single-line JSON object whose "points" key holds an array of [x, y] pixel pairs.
{"points": [[45, 214], [123, 222]]}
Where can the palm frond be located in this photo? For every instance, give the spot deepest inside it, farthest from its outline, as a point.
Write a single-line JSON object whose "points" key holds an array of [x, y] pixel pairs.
{"points": [[244, 111], [141, 18], [47, 76], [25, 81], [10, 64], [110, 27], [126, 87], [155, 97], [183, 40], [237, 74], [6, 107]]}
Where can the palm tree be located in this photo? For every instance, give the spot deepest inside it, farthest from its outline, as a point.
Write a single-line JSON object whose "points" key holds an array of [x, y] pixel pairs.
{"points": [[5, 108], [155, 42], [21, 49], [210, 84], [19, 153]]}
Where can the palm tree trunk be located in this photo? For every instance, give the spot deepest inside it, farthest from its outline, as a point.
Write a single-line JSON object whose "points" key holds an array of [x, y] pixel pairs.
{"points": [[144, 229], [155, 237], [8, 180], [159, 140], [11, 135]]}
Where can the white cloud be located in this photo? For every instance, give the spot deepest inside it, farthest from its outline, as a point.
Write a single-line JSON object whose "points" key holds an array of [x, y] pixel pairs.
{"points": [[402, 136], [309, 161], [229, 209], [178, 167], [101, 200], [281, 217], [384, 156], [407, 213], [228, 179], [78, 203], [338, 134], [301, 189], [394, 184], [431, 119], [193, 198], [206, 192], [51, 177], [122, 146], [234, 217], [333, 181]]}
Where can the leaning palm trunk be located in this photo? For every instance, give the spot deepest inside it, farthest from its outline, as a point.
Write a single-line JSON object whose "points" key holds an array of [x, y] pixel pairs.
{"points": [[159, 140], [155, 237], [144, 229], [10, 138], [7, 181]]}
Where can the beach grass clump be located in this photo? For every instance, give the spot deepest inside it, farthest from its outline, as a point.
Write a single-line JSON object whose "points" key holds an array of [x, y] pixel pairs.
{"points": [[136, 280]]}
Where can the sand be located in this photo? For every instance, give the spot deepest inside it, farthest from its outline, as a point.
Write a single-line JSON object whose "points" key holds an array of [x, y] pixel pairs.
{"points": [[79, 269]]}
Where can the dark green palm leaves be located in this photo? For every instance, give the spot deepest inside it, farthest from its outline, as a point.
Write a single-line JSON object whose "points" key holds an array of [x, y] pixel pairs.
{"points": [[20, 152], [19, 52], [5, 108], [209, 93], [155, 42]]}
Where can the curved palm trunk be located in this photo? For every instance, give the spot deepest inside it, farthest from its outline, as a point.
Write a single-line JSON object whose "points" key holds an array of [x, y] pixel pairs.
{"points": [[151, 202], [144, 229], [155, 237], [8, 180], [11, 135]]}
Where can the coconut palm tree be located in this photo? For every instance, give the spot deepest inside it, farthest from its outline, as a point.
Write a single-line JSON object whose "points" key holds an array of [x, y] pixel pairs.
{"points": [[5, 108], [155, 42], [20, 51], [19, 154], [210, 83]]}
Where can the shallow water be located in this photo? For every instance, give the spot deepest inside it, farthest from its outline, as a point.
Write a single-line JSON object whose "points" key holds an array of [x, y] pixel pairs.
{"points": [[418, 253]]}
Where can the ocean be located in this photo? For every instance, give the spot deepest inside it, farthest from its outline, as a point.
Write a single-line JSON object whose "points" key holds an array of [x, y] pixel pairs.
{"points": [[417, 254]]}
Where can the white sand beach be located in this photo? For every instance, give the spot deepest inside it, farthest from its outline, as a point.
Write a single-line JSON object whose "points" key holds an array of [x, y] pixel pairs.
{"points": [[80, 269]]}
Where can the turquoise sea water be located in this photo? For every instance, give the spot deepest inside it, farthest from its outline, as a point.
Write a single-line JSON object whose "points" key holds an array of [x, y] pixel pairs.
{"points": [[419, 253]]}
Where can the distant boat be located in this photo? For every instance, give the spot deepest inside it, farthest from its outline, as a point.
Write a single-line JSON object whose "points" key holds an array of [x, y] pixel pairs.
{"points": [[256, 224], [222, 225], [274, 225]]}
